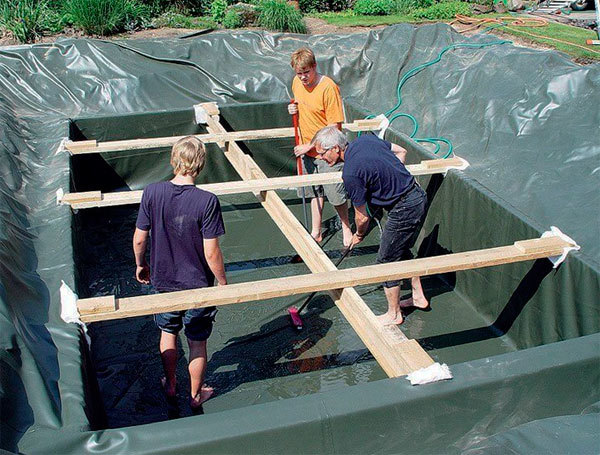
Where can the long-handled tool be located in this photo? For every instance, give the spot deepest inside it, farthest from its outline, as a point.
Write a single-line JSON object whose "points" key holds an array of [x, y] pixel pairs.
{"points": [[299, 163], [295, 311]]}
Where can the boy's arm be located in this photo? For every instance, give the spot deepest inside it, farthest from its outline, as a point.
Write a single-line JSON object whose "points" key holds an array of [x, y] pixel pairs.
{"points": [[140, 242], [400, 152], [334, 107], [214, 258]]}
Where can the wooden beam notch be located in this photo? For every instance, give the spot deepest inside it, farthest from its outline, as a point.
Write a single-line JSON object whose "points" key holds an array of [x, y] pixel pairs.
{"points": [[443, 163], [541, 245], [86, 196], [210, 108], [76, 146]]}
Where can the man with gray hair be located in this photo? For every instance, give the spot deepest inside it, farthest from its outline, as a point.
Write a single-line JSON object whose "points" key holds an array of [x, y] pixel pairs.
{"points": [[374, 174]]}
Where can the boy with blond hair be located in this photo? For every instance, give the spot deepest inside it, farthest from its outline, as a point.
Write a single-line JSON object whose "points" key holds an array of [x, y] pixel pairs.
{"points": [[186, 223], [318, 103]]}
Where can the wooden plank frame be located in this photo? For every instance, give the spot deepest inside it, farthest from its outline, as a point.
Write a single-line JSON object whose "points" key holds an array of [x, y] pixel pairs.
{"points": [[391, 348], [395, 353], [107, 308], [87, 147], [96, 199]]}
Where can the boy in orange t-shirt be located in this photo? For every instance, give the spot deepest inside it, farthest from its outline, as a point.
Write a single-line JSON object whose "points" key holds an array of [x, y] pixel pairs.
{"points": [[318, 103]]}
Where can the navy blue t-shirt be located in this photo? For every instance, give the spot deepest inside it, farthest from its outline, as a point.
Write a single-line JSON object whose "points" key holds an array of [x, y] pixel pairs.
{"points": [[373, 174], [179, 217]]}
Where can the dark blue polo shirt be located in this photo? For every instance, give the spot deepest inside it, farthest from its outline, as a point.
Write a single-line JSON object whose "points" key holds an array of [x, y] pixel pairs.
{"points": [[373, 174], [179, 218]]}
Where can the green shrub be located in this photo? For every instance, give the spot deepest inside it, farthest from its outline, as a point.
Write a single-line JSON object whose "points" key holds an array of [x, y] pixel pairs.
{"points": [[374, 7], [338, 5], [178, 20], [277, 15], [312, 6], [103, 17], [247, 14], [443, 11], [318, 6], [26, 20], [186, 7], [218, 9], [408, 6], [232, 20]]}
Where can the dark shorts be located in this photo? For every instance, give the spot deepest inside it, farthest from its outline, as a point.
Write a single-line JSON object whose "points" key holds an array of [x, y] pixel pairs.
{"points": [[401, 229], [198, 322]]}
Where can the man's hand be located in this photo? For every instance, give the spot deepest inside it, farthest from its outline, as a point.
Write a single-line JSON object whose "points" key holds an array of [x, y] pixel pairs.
{"points": [[293, 108], [400, 152], [362, 219], [302, 149], [356, 239], [142, 274]]}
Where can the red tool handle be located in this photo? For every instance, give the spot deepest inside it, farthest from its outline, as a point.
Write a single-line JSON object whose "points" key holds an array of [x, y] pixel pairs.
{"points": [[297, 137]]}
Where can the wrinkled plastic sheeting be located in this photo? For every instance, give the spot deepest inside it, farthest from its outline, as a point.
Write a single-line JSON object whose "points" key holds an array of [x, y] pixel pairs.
{"points": [[526, 120], [571, 434]]}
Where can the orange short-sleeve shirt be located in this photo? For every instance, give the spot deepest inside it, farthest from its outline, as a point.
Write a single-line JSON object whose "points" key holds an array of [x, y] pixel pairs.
{"points": [[317, 108]]}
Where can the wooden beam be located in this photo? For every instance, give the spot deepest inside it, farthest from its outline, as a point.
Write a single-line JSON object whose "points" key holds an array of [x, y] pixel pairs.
{"points": [[86, 147], [97, 199], [99, 305], [85, 196], [211, 108], [105, 308], [80, 146], [390, 347]]}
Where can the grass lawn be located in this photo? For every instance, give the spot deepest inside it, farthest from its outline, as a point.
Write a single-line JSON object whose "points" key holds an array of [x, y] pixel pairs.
{"points": [[349, 19], [574, 36]]}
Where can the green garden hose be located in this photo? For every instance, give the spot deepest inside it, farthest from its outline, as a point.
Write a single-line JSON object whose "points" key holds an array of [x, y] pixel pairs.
{"points": [[431, 140]]}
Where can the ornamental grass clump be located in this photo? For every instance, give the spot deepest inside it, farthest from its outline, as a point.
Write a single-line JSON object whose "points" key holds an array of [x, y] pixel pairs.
{"points": [[26, 20], [103, 17], [277, 15]]}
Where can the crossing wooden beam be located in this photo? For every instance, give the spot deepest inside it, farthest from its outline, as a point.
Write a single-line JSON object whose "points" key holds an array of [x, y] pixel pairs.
{"points": [[91, 146], [395, 353], [106, 308], [91, 199]]}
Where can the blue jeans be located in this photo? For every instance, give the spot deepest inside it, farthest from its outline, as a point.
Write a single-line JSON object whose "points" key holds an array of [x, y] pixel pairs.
{"points": [[401, 229]]}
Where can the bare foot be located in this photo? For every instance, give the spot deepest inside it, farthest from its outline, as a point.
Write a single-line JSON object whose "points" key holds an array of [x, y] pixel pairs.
{"points": [[347, 237], [317, 236], [170, 390], [390, 319], [399, 319], [205, 393], [384, 319], [422, 304]]}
